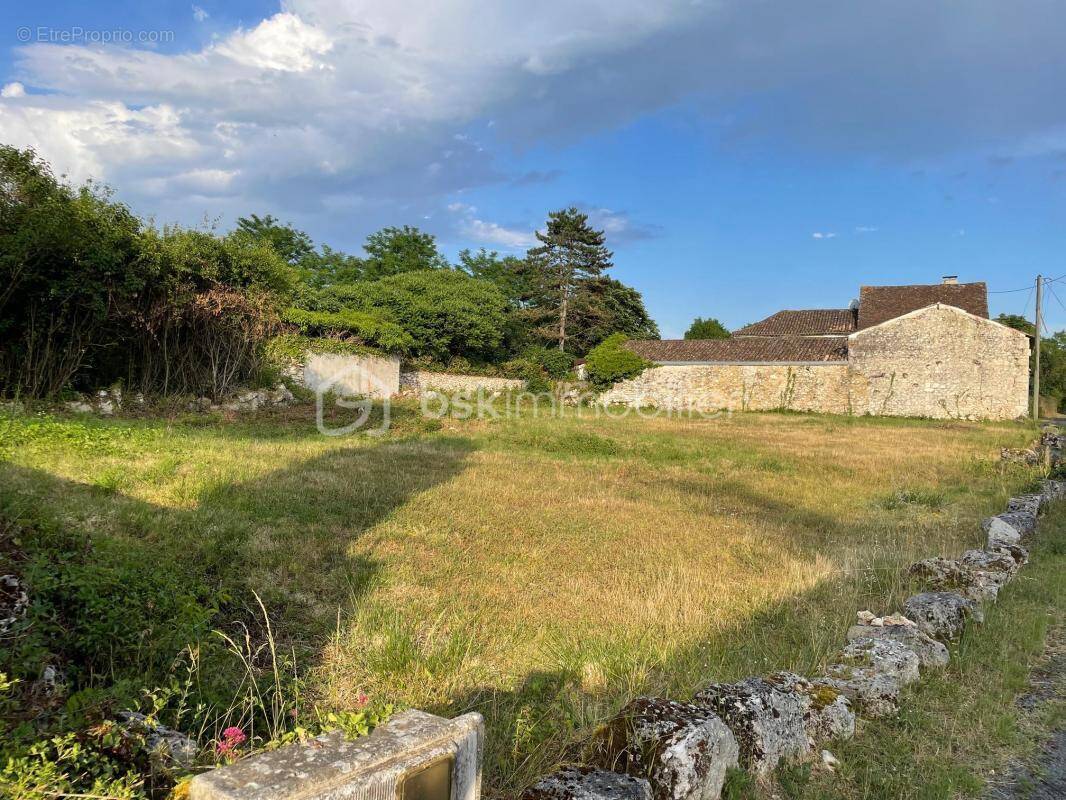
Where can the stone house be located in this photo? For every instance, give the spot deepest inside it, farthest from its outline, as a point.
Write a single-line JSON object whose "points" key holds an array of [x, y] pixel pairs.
{"points": [[920, 350]]}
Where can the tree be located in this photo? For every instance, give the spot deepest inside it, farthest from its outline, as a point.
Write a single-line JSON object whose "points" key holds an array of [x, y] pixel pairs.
{"points": [[571, 253], [506, 273], [444, 313], [709, 328], [291, 244], [603, 306], [393, 251], [1018, 322]]}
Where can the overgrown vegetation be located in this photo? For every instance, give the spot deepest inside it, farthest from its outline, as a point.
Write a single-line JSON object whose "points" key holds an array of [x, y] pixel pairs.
{"points": [[610, 362], [92, 296], [423, 568]]}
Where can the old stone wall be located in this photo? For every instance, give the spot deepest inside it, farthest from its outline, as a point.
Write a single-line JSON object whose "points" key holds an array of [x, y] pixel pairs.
{"points": [[738, 387], [941, 362], [422, 381], [351, 375]]}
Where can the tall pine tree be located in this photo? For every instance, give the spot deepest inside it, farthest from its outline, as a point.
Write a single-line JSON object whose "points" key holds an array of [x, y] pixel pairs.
{"points": [[570, 255]]}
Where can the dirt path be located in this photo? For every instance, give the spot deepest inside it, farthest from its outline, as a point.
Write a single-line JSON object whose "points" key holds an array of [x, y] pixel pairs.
{"points": [[1044, 777]]}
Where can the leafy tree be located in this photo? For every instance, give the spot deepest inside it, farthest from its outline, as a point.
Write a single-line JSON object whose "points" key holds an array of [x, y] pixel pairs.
{"points": [[709, 328], [610, 362], [291, 244], [393, 251], [506, 273], [67, 258], [571, 253], [603, 306], [445, 313], [1018, 322]]}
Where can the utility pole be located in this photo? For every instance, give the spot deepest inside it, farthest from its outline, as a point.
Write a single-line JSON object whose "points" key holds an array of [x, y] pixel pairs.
{"points": [[1036, 355]]}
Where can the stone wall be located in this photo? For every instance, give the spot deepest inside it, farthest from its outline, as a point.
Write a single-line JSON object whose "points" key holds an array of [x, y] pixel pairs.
{"points": [[938, 362], [370, 376], [941, 362], [738, 387], [421, 381]]}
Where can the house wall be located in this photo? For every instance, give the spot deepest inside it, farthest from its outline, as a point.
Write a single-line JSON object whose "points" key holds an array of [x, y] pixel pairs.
{"points": [[941, 362], [938, 362]]}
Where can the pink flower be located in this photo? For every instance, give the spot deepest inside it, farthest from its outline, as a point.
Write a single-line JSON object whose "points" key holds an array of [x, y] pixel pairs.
{"points": [[232, 738], [362, 698]]}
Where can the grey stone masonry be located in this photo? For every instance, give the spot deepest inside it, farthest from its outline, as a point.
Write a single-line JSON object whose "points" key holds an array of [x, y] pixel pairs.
{"points": [[930, 652], [374, 767], [684, 750], [767, 721], [827, 713], [588, 783], [942, 615]]}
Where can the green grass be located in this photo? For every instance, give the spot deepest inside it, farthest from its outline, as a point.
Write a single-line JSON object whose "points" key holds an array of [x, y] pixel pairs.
{"points": [[540, 571]]}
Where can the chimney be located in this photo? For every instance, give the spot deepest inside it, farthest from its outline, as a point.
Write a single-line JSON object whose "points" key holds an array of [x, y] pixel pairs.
{"points": [[950, 279]]}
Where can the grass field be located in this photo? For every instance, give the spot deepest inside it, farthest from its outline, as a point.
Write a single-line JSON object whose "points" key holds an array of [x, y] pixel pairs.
{"points": [[540, 571]]}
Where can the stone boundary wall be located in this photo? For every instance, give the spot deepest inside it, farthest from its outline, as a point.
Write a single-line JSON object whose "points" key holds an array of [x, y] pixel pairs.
{"points": [[822, 388], [939, 362], [421, 381], [371, 376]]}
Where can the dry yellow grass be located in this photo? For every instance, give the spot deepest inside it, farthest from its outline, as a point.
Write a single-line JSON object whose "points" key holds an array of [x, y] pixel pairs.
{"points": [[545, 571]]}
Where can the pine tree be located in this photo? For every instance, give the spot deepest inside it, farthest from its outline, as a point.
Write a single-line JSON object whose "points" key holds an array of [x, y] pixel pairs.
{"points": [[570, 255]]}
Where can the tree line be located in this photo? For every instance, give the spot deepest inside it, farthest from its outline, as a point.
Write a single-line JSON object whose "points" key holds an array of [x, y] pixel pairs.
{"points": [[92, 295]]}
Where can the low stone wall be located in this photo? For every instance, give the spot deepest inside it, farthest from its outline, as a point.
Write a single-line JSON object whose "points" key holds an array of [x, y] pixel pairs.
{"points": [[739, 387], [369, 376], [421, 381], [939, 362]]}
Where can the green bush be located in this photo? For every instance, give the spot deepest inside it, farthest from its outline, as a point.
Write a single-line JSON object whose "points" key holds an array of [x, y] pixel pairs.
{"points": [[529, 371], [368, 327], [555, 362], [446, 313], [610, 362]]}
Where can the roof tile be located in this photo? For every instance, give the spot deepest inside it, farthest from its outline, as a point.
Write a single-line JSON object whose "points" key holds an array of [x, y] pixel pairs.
{"points": [[879, 304]]}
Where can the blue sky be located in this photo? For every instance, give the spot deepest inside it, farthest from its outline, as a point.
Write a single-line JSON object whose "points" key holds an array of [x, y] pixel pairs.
{"points": [[743, 157]]}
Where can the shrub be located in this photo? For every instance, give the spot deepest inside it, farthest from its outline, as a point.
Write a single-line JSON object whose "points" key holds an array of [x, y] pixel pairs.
{"points": [[370, 328], [445, 313], [529, 371], [610, 362], [555, 362]]}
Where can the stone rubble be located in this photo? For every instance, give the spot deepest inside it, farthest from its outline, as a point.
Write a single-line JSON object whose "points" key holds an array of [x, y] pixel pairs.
{"points": [[872, 671], [684, 750], [827, 714], [161, 741], [14, 601], [588, 783], [942, 615], [768, 723], [1027, 503], [944, 575], [930, 652]]}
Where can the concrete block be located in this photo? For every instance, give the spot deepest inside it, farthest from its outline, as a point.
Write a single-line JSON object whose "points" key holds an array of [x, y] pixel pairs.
{"points": [[400, 756]]}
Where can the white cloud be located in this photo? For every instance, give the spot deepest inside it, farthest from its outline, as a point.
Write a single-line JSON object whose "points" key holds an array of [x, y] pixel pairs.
{"points": [[199, 14], [490, 233], [336, 109], [865, 229], [825, 235]]}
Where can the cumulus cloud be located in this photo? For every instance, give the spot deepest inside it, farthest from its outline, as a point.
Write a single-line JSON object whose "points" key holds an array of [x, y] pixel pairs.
{"points": [[823, 235], [490, 233], [619, 225], [332, 108]]}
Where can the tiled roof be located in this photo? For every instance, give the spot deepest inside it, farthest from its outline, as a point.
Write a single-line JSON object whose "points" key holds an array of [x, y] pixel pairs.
{"points": [[755, 349], [878, 304], [809, 322]]}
